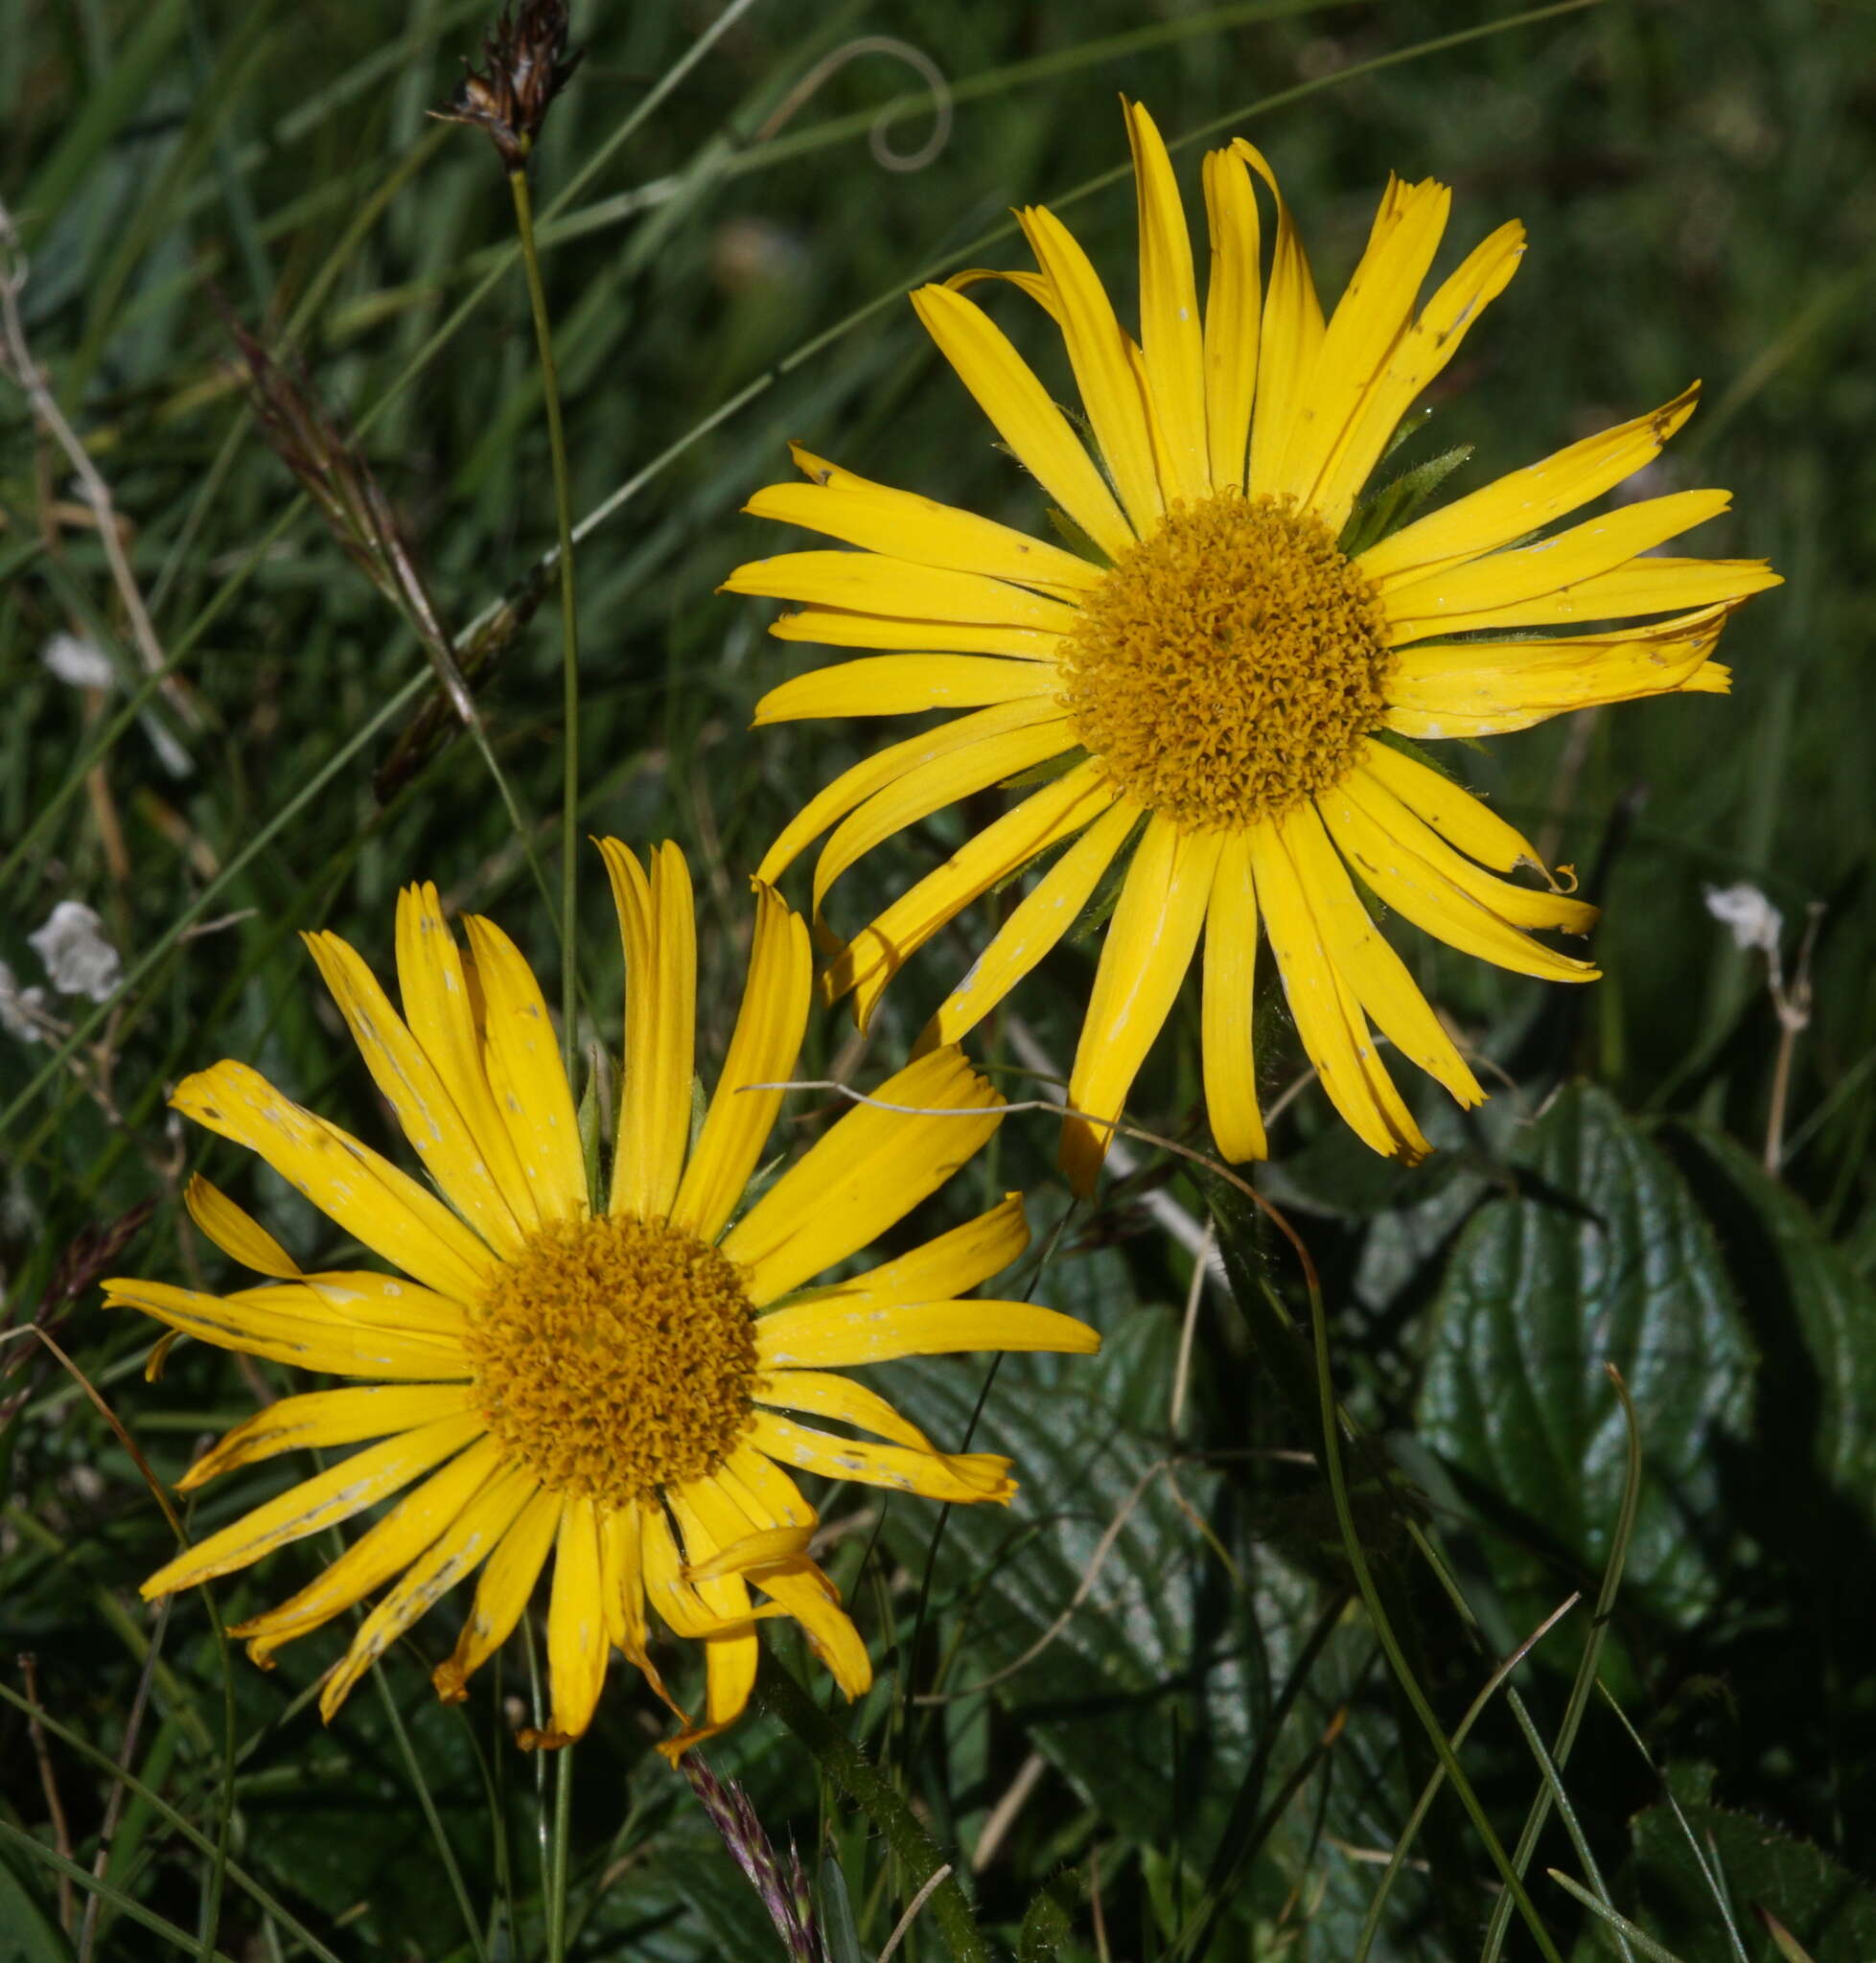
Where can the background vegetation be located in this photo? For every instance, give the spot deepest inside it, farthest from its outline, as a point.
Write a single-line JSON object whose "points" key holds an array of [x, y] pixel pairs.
{"points": [[1212, 1756]]}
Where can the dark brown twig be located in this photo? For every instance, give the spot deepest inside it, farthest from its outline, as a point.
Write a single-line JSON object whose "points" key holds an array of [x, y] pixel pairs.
{"points": [[61, 1834]]}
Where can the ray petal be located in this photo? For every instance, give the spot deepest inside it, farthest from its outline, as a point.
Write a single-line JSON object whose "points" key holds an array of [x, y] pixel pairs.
{"points": [[236, 1231], [457, 1552], [877, 583], [904, 684], [412, 1087], [824, 1394], [658, 931], [1103, 372], [437, 1007], [622, 1582], [375, 1203], [1044, 818], [1328, 1019], [763, 1051], [1289, 335], [726, 1598], [880, 519], [1478, 688], [576, 1624], [1454, 813], [1422, 352], [931, 786], [829, 1334], [388, 1545], [769, 1497], [1482, 588], [1230, 981], [1171, 335], [1144, 960], [1368, 323], [866, 1173], [1374, 973], [362, 1297], [523, 1060], [871, 775], [1233, 308], [302, 1334], [327, 1418], [1409, 869], [798, 1588], [324, 1500], [1036, 923], [946, 1266], [845, 627], [1022, 413], [502, 1594], [1651, 584], [1522, 502], [961, 1476]]}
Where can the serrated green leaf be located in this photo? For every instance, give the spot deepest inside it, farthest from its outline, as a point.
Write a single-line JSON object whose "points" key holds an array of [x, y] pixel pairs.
{"points": [[1603, 1258], [1095, 914], [1825, 1908], [1045, 772], [588, 1122], [1391, 505], [1392, 739]]}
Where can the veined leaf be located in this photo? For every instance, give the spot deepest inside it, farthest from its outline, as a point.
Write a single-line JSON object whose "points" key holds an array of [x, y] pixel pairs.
{"points": [[1602, 1258]]}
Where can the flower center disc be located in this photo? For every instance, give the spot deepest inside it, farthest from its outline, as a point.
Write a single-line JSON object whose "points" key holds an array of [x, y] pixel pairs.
{"points": [[614, 1356], [1229, 666]]}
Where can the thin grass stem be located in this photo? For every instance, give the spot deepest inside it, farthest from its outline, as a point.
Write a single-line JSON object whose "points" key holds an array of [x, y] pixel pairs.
{"points": [[1585, 1674], [569, 628], [427, 1800], [1384, 1628]]}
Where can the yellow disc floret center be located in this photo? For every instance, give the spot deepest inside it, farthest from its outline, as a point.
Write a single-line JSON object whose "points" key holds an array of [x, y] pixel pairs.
{"points": [[1230, 666], [614, 1355]]}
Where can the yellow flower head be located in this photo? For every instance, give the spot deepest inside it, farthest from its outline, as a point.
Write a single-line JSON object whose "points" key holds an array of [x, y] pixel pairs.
{"points": [[1219, 671], [609, 1387]]}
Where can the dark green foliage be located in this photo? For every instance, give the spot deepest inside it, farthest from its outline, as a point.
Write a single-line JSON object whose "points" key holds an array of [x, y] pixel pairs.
{"points": [[1191, 1748]]}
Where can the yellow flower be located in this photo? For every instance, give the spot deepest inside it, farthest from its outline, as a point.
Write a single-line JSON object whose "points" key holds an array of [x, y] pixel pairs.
{"points": [[608, 1386], [1215, 676]]}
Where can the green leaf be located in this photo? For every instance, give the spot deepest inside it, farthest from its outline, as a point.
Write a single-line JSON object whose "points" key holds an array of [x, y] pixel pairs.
{"points": [[1163, 1636], [1106, 897], [1389, 507], [1827, 1909], [1815, 1318], [28, 1932], [1047, 1922], [1047, 772], [1602, 1258], [839, 1937]]}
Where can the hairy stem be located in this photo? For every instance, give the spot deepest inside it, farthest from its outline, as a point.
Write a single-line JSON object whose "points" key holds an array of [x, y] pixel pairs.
{"points": [[861, 1781]]}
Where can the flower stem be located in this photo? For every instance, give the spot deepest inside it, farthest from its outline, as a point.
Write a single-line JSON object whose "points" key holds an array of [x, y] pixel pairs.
{"points": [[569, 621], [861, 1780], [557, 1860]]}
